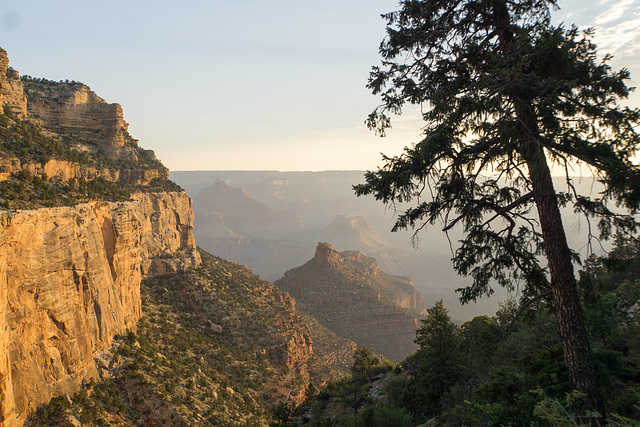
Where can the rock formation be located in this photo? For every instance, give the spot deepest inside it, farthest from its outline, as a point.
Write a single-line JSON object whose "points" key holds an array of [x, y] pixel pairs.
{"points": [[72, 112], [349, 294], [12, 94], [77, 110], [62, 170], [296, 352], [70, 276], [69, 281]]}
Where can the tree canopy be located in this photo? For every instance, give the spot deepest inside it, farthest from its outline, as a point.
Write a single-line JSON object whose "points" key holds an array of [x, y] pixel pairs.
{"points": [[504, 96]]}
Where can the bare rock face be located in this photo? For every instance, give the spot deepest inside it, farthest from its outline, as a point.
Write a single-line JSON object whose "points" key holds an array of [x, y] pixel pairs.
{"points": [[64, 171], [7, 167], [298, 350], [167, 227], [349, 294], [12, 93], [71, 112], [326, 255], [80, 112], [69, 281]]}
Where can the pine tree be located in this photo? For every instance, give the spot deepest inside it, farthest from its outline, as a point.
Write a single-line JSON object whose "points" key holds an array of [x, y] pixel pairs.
{"points": [[504, 95], [439, 360]]}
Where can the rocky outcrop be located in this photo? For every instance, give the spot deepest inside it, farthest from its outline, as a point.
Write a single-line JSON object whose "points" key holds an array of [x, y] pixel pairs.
{"points": [[349, 294], [69, 281], [79, 112], [296, 352], [7, 167], [12, 94], [62, 170], [72, 113], [76, 111]]}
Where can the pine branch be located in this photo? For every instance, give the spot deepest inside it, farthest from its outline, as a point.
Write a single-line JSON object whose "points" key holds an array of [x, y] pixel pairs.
{"points": [[525, 306]]}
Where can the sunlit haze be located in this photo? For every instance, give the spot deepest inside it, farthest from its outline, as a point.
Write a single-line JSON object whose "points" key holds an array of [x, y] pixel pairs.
{"points": [[251, 85]]}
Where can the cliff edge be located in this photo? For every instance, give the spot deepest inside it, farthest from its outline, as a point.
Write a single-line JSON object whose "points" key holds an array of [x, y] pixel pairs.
{"points": [[70, 272], [70, 281], [60, 144]]}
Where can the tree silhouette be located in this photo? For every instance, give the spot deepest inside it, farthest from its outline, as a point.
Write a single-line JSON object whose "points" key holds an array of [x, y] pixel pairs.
{"points": [[504, 95]]}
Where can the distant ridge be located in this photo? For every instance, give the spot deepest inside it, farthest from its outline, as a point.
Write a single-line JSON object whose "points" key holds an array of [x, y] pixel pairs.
{"points": [[353, 232], [349, 294], [244, 214]]}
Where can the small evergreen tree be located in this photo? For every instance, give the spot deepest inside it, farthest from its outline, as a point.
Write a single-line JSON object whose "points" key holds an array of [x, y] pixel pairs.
{"points": [[439, 362], [364, 360]]}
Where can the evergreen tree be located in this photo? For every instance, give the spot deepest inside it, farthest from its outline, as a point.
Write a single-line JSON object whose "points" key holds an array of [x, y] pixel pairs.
{"points": [[439, 361], [364, 360], [504, 95]]}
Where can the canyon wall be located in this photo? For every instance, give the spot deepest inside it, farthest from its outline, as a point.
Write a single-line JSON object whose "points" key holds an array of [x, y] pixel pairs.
{"points": [[72, 113], [70, 280], [64, 171], [12, 94], [349, 294]]}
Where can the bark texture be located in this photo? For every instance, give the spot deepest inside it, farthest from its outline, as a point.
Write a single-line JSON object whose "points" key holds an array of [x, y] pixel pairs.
{"points": [[573, 333]]}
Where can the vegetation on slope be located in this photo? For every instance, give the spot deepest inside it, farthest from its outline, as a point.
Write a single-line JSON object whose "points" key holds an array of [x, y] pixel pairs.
{"points": [[503, 371], [199, 358], [216, 346], [28, 143]]}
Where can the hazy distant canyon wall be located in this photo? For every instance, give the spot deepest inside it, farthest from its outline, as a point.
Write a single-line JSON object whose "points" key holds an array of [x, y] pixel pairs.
{"points": [[70, 280]]}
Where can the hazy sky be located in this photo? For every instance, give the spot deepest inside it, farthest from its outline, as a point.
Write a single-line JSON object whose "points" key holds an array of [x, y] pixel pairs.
{"points": [[248, 85]]}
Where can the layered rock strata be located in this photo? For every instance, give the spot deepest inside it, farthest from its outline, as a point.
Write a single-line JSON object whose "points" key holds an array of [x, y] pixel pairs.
{"points": [[296, 352], [349, 294], [79, 112], [62, 170], [70, 280], [12, 94], [72, 111]]}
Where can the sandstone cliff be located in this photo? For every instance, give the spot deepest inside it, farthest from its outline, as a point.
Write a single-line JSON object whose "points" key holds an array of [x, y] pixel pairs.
{"points": [[12, 94], [70, 273], [349, 294], [79, 112], [69, 281], [64, 130]]}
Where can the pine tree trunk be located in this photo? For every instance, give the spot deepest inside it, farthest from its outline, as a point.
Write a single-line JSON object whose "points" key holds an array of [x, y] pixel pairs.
{"points": [[575, 342]]}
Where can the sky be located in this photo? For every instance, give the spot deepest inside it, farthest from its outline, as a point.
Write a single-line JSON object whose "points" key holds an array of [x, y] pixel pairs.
{"points": [[251, 85]]}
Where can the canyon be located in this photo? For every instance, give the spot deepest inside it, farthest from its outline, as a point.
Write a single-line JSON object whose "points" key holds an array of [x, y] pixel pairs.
{"points": [[92, 234], [317, 207], [329, 211]]}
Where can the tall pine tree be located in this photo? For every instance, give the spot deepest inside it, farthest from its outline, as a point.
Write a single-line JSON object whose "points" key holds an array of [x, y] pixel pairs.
{"points": [[504, 95]]}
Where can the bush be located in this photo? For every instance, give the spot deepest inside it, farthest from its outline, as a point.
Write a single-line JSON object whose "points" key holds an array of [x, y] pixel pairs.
{"points": [[379, 416]]}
